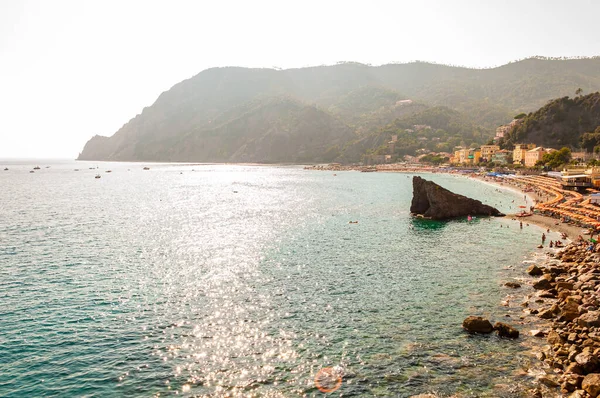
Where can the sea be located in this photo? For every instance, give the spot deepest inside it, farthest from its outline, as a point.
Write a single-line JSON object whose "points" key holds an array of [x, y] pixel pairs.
{"points": [[216, 280]]}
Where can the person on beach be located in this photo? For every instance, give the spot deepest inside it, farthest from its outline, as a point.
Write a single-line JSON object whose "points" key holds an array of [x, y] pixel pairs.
{"points": [[551, 244], [521, 224], [543, 238]]}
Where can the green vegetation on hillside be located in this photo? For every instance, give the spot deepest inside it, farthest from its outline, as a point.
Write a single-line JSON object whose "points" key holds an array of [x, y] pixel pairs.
{"points": [[556, 159], [437, 129], [561, 122], [347, 110]]}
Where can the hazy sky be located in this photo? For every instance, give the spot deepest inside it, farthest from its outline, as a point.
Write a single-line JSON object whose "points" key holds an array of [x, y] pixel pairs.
{"points": [[73, 69]]}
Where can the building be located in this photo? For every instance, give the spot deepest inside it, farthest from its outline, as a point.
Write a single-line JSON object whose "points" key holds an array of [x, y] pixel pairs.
{"points": [[520, 151], [501, 131], [582, 156], [466, 156], [487, 151], [579, 178], [534, 155], [502, 157], [374, 159]]}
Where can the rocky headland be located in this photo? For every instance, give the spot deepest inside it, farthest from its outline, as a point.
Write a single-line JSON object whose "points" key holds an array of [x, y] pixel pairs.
{"points": [[432, 201]]}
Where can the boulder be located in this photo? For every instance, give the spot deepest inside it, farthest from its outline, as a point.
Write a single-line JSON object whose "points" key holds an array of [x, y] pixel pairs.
{"points": [[514, 285], [554, 338], [534, 270], [542, 284], [477, 324], [587, 361], [538, 333], [564, 285], [591, 384], [432, 201], [548, 381], [589, 319], [505, 330], [546, 314]]}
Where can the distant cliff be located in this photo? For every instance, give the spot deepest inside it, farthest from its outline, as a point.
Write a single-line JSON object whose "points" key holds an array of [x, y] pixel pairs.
{"points": [[333, 112], [278, 130]]}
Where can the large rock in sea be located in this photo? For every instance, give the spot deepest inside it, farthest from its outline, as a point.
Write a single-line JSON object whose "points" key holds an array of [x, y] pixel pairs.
{"points": [[432, 201], [477, 324]]}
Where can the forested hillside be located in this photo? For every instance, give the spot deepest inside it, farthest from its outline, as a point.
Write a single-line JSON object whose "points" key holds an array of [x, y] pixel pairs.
{"points": [[561, 122], [266, 115]]}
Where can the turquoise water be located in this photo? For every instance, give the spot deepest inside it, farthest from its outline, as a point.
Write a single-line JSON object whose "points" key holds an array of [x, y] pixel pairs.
{"points": [[246, 281]]}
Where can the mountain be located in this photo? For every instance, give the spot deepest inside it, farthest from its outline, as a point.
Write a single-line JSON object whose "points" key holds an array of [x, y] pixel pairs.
{"points": [[561, 122], [202, 118], [275, 130], [437, 129]]}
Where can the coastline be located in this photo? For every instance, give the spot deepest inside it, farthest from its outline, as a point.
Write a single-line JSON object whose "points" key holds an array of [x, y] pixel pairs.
{"points": [[566, 286], [542, 221]]}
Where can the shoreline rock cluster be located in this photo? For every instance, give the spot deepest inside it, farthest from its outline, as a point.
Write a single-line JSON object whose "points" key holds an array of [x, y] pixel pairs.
{"points": [[571, 289], [477, 324]]}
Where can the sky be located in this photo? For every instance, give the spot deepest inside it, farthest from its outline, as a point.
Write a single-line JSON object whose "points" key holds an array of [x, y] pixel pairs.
{"points": [[71, 69]]}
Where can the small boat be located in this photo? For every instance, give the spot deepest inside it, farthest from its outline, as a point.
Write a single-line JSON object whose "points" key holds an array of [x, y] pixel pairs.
{"points": [[523, 214], [31, 171], [146, 168], [76, 169], [98, 176], [47, 167], [36, 168], [109, 171], [6, 169]]}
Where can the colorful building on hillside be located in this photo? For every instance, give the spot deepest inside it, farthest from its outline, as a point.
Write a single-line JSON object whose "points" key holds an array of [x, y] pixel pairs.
{"points": [[536, 154], [582, 156], [503, 130], [502, 156], [466, 156], [487, 151], [520, 151]]}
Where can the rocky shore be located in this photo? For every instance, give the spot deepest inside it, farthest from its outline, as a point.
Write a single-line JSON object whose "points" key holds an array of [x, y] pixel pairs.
{"points": [[567, 296]]}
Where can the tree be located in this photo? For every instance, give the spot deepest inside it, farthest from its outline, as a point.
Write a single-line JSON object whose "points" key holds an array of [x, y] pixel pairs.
{"points": [[590, 140], [578, 91], [520, 116], [557, 158]]}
